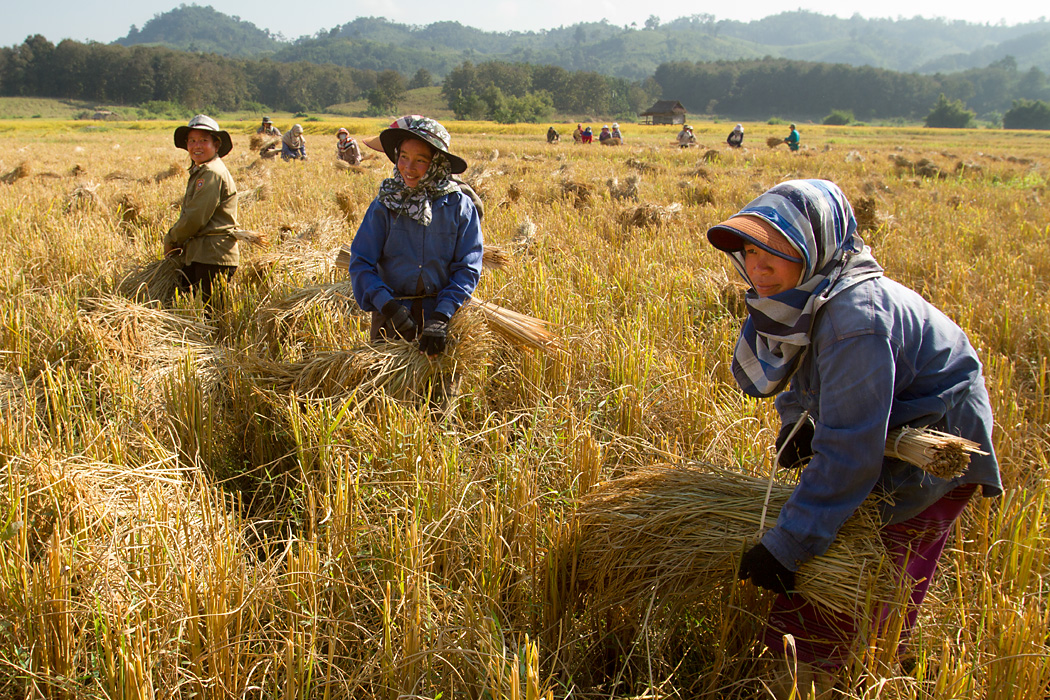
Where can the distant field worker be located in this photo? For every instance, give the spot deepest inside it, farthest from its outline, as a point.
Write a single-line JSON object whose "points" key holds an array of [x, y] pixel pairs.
{"points": [[588, 135], [616, 132], [416, 258], [793, 139], [293, 144], [577, 134], [685, 137], [828, 334], [268, 129], [736, 136], [346, 148], [204, 230], [552, 135]]}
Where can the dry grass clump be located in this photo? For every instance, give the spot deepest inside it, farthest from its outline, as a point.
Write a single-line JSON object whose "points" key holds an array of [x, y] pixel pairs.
{"points": [[20, 171], [579, 192], [291, 258], [395, 367], [130, 332], [319, 231], [696, 193], [864, 210], [712, 156], [640, 165], [649, 215], [524, 236], [152, 281], [347, 203], [259, 193], [627, 190], [927, 168], [130, 209], [173, 170], [122, 175], [84, 196], [677, 532], [774, 141]]}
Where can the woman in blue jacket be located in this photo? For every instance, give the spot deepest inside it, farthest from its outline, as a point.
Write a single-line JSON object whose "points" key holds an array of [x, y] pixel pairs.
{"points": [[416, 258], [850, 355]]}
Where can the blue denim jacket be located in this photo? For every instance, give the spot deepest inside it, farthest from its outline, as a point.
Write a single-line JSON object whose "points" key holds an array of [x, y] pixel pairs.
{"points": [[390, 254], [881, 357]]}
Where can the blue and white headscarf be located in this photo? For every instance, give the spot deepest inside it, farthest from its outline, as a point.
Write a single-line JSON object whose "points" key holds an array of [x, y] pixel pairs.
{"points": [[817, 220]]}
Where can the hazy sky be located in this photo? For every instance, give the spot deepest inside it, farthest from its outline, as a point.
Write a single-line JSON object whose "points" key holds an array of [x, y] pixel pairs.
{"points": [[85, 20]]}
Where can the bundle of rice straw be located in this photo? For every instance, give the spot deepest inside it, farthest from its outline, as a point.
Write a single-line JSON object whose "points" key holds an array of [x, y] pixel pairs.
{"points": [[20, 171], [395, 367], [495, 257], [342, 258], [128, 330], [130, 209], [256, 141], [943, 455], [174, 170], [250, 237], [519, 329], [677, 532], [649, 215], [154, 281], [525, 235], [83, 197], [773, 141], [627, 190], [285, 315], [712, 156], [347, 204], [579, 191]]}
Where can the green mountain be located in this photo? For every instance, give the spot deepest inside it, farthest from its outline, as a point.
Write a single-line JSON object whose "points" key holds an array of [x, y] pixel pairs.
{"points": [[375, 43], [202, 29]]}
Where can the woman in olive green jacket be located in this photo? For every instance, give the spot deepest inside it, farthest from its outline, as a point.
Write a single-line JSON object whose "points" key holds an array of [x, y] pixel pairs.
{"points": [[203, 235]]}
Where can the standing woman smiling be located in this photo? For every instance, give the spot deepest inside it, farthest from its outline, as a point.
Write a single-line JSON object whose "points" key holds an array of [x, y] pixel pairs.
{"points": [[416, 258], [203, 233]]}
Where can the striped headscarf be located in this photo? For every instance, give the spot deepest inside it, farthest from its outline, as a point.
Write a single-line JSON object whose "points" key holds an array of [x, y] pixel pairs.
{"points": [[817, 220]]}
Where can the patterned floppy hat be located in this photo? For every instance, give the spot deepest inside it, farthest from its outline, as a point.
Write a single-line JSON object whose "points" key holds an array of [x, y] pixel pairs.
{"points": [[425, 129], [203, 122]]}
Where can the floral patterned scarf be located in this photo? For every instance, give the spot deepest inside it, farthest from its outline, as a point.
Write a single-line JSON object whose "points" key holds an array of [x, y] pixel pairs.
{"points": [[416, 203]]}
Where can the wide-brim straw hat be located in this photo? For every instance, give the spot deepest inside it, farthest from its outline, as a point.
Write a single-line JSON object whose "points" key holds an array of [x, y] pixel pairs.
{"points": [[734, 233], [425, 129], [203, 122]]}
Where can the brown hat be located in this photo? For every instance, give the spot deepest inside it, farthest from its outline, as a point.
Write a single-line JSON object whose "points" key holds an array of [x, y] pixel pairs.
{"points": [[734, 233], [202, 122]]}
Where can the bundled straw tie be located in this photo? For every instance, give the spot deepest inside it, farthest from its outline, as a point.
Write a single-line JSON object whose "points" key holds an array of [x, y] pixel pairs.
{"points": [[249, 237], [677, 532], [519, 329], [943, 455]]}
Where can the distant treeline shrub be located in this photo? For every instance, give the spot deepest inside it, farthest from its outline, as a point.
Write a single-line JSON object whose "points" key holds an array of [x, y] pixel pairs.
{"points": [[949, 114], [509, 92], [1027, 114], [114, 74]]}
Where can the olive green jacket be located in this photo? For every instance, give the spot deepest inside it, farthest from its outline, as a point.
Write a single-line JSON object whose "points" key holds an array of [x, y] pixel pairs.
{"points": [[209, 216]]}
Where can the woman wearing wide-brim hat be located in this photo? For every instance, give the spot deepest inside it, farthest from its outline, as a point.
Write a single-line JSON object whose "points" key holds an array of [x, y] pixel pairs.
{"points": [[416, 258], [203, 235]]}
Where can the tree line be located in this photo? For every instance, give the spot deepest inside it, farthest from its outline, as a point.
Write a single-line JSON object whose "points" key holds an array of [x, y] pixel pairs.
{"points": [[514, 92], [114, 74]]}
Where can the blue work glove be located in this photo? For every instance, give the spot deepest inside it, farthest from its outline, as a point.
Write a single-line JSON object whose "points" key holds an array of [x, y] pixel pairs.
{"points": [[400, 318], [799, 449], [764, 570], [435, 334]]}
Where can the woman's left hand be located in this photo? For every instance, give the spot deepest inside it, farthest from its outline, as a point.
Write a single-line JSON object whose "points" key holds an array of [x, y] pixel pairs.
{"points": [[434, 336], [766, 571]]}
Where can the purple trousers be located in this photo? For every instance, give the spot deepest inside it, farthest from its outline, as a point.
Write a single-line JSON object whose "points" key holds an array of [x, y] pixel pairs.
{"points": [[825, 638]]}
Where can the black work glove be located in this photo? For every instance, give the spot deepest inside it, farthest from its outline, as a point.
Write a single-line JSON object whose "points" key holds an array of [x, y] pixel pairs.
{"points": [[400, 318], [764, 570], [435, 334], [799, 449]]}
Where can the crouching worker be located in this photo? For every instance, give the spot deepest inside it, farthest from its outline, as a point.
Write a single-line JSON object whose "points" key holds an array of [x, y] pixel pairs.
{"points": [[346, 148], [827, 333], [203, 234], [293, 144], [416, 258]]}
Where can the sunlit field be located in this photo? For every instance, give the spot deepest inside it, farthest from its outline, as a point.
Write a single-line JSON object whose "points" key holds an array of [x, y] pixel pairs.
{"points": [[175, 520]]}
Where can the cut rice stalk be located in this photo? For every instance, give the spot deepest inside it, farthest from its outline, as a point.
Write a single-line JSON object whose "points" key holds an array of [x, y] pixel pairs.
{"points": [[519, 329], [943, 455], [495, 257], [154, 281]]}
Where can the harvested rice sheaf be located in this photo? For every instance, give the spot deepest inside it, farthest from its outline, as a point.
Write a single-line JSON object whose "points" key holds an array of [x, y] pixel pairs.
{"points": [[395, 367], [774, 141], [152, 281], [677, 532], [626, 190], [20, 171], [174, 170], [495, 257], [649, 215]]}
